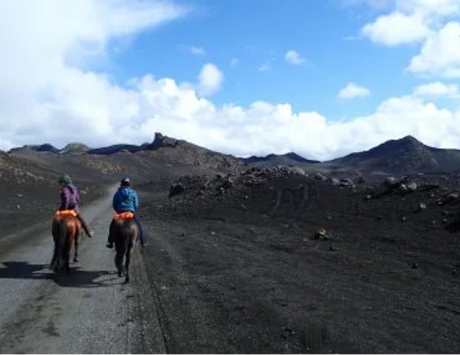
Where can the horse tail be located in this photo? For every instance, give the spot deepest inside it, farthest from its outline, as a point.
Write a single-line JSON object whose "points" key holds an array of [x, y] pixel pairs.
{"points": [[59, 246]]}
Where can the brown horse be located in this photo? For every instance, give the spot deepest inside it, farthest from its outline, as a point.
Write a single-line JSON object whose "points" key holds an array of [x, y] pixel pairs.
{"points": [[66, 228], [124, 232]]}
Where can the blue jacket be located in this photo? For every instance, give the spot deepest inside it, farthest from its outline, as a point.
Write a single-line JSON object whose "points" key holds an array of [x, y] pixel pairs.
{"points": [[125, 199]]}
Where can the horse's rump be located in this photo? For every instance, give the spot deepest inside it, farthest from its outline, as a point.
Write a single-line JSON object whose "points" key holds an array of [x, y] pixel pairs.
{"points": [[65, 231], [124, 230], [71, 224]]}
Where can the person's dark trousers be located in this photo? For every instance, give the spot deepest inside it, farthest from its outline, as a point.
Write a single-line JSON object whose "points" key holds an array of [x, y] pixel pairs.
{"points": [[141, 230]]}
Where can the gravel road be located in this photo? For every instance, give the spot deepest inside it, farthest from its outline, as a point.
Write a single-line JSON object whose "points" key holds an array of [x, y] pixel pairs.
{"points": [[89, 311]]}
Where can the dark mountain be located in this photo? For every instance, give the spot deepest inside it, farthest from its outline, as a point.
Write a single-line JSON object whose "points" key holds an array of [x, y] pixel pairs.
{"points": [[274, 159], [181, 152], [400, 156], [161, 141], [405, 155], [74, 148], [113, 149], [43, 148]]}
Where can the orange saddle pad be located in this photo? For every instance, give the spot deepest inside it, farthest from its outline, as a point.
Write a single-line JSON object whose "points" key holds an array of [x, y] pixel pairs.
{"points": [[65, 213], [123, 215]]}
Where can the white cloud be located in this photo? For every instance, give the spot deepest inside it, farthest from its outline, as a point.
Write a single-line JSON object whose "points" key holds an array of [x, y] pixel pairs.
{"points": [[265, 67], [352, 91], [197, 50], [210, 79], [377, 4], [440, 55], [428, 8], [437, 89], [425, 21], [41, 92], [293, 57], [396, 28]]}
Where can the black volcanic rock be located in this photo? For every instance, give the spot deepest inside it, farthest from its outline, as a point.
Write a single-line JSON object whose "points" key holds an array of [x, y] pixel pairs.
{"points": [[160, 141]]}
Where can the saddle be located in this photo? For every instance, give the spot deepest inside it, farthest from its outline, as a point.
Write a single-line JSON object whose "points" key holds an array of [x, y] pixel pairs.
{"points": [[65, 213], [123, 215]]}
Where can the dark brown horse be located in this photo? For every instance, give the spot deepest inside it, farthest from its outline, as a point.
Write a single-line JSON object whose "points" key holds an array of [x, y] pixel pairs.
{"points": [[124, 232], [66, 228]]}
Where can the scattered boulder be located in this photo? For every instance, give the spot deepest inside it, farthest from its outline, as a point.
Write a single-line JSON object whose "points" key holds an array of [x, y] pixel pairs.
{"points": [[334, 181], [321, 234], [176, 189], [319, 176], [345, 182], [295, 170], [390, 182]]}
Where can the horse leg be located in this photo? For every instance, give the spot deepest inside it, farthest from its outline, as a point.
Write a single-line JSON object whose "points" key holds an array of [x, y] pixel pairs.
{"points": [[119, 262], [66, 256], [128, 258], [75, 257]]}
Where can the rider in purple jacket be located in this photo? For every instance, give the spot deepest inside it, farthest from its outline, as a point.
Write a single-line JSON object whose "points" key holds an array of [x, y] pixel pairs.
{"points": [[70, 200]]}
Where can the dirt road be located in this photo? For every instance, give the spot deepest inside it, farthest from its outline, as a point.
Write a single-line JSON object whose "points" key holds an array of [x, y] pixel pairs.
{"points": [[89, 311]]}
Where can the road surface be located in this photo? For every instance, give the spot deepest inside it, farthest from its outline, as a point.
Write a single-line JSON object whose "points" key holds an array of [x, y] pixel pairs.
{"points": [[89, 311]]}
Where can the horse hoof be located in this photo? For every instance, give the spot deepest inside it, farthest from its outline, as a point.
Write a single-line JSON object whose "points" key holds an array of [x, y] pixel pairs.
{"points": [[75, 260], [127, 279], [120, 274]]}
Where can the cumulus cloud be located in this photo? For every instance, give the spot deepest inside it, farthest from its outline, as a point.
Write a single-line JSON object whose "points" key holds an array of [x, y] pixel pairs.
{"points": [[353, 91], [429, 22], [293, 57], [437, 89], [44, 98], [428, 8], [440, 54], [210, 79], [396, 28]]}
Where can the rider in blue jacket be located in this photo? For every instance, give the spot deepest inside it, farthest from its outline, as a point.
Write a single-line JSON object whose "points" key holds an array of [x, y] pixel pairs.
{"points": [[126, 200]]}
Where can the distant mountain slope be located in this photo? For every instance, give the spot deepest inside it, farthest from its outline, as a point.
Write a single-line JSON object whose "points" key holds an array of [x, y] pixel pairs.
{"points": [[405, 155], [43, 148], [273, 159], [74, 148], [181, 152], [113, 149], [400, 156]]}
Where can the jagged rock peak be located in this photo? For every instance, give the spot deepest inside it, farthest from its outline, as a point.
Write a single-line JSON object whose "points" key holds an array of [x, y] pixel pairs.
{"points": [[161, 141]]}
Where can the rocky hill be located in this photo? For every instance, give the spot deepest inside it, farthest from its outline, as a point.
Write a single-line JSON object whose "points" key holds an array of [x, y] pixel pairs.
{"points": [[402, 156], [289, 159], [43, 148]]}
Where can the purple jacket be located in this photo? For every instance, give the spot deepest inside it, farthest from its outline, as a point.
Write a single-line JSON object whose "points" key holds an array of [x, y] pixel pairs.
{"points": [[70, 198]]}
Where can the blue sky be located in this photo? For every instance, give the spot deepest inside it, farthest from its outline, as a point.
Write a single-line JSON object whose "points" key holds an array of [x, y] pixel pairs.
{"points": [[258, 32], [322, 78]]}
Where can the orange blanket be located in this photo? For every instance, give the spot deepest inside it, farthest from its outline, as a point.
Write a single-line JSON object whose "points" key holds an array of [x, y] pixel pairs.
{"points": [[123, 215], [65, 213]]}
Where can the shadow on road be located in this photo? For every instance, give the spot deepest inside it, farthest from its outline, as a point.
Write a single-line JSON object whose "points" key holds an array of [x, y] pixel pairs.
{"points": [[77, 278]]}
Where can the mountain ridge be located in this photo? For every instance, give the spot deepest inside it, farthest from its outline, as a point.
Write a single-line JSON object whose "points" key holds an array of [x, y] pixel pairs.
{"points": [[404, 155]]}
